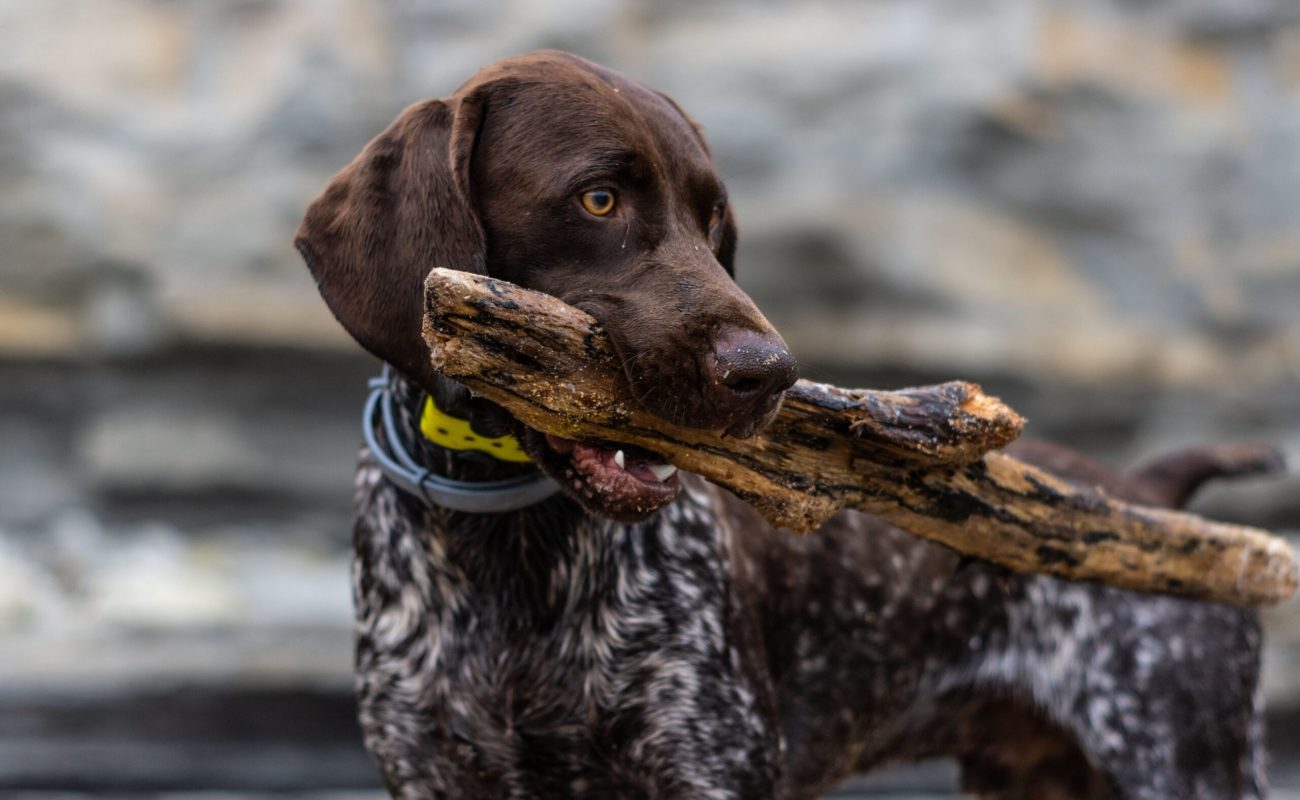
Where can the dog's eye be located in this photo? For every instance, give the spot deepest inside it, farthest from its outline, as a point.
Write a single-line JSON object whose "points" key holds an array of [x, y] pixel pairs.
{"points": [[599, 202], [716, 217]]}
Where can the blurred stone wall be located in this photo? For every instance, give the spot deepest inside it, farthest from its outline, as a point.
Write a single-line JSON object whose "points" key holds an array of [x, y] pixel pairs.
{"points": [[1091, 206]]}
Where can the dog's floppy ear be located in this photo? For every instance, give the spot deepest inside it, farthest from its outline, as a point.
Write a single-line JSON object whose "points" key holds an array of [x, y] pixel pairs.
{"points": [[402, 207]]}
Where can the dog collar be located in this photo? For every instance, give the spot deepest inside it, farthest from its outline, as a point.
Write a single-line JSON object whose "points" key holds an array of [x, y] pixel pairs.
{"points": [[480, 497], [454, 433]]}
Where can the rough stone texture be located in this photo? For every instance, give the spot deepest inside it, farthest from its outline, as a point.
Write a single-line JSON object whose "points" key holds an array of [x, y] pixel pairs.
{"points": [[1095, 199]]}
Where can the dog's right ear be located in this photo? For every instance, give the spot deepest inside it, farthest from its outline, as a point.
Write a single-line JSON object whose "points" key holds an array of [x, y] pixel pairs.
{"points": [[402, 207]]}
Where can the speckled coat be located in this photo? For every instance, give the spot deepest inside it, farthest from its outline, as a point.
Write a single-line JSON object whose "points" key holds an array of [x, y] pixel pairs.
{"points": [[700, 654]]}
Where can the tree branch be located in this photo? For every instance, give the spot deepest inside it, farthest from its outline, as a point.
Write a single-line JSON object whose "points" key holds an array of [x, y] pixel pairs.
{"points": [[920, 458]]}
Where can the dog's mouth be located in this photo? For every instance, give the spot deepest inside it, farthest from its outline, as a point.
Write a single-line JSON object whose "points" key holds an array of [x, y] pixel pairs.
{"points": [[613, 480]]}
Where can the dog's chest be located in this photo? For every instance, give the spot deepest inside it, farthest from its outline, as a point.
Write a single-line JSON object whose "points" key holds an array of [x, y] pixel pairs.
{"points": [[613, 662]]}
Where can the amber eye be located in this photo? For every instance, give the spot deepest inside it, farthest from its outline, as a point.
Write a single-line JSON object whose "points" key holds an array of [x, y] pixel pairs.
{"points": [[716, 217], [598, 202]]}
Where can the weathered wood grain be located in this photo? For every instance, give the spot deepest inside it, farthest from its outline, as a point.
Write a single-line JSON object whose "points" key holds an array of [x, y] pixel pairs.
{"points": [[921, 458]]}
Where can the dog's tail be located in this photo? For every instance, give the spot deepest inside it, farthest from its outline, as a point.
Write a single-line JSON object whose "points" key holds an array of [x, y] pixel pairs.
{"points": [[1171, 479]]}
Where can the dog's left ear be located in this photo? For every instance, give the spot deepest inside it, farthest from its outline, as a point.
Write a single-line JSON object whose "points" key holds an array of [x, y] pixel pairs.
{"points": [[402, 207]]}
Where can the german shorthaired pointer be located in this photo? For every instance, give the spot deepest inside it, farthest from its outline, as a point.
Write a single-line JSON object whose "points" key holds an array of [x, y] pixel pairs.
{"points": [[643, 634]]}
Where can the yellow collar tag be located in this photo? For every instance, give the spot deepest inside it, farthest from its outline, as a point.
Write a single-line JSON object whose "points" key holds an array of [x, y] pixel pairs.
{"points": [[454, 433]]}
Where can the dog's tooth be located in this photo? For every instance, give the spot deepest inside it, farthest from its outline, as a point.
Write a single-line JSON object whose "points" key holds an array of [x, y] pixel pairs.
{"points": [[662, 471], [618, 459]]}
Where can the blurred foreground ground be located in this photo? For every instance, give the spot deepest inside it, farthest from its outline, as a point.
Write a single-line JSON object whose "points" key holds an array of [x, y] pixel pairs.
{"points": [[1089, 206]]}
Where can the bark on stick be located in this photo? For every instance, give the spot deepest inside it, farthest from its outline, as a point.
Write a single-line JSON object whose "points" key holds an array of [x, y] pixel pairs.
{"points": [[924, 459]]}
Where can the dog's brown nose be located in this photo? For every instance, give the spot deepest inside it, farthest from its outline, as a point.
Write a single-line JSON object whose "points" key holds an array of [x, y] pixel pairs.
{"points": [[750, 370]]}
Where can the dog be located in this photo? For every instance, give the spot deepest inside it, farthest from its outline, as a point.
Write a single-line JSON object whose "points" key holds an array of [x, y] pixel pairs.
{"points": [[575, 619]]}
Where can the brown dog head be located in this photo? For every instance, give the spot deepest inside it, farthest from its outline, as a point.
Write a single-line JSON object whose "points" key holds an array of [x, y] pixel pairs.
{"points": [[565, 177]]}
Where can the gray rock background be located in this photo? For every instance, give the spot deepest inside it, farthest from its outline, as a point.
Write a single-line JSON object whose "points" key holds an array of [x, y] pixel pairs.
{"points": [[1090, 206]]}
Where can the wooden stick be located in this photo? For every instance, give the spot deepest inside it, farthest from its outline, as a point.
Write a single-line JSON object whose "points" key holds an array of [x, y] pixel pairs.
{"points": [[921, 458]]}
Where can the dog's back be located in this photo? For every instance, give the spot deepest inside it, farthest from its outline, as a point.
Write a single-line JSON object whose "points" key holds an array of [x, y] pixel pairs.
{"points": [[892, 648]]}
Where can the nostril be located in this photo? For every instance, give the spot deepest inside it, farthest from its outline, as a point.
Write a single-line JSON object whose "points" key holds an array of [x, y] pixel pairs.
{"points": [[743, 385]]}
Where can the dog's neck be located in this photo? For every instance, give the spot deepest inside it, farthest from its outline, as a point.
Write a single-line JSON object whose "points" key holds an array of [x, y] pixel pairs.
{"points": [[536, 552], [387, 445], [527, 560]]}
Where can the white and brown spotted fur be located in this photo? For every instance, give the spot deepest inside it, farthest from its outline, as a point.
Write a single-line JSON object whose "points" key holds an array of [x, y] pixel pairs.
{"points": [[696, 652]]}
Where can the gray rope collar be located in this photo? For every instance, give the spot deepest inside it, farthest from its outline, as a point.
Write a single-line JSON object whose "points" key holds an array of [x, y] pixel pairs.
{"points": [[479, 497]]}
